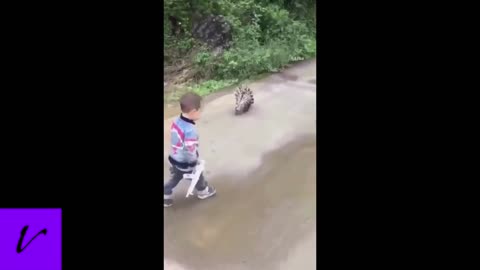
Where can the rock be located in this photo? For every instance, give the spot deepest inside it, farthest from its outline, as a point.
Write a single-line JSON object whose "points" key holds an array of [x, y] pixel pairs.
{"points": [[215, 31], [217, 51]]}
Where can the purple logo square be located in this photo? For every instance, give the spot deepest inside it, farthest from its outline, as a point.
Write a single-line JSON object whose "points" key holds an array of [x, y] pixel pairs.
{"points": [[31, 239]]}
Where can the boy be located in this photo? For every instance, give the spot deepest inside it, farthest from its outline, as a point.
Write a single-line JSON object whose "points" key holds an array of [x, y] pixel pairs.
{"points": [[184, 155]]}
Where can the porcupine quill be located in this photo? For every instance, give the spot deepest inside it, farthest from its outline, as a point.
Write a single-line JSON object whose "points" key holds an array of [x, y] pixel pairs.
{"points": [[243, 100]]}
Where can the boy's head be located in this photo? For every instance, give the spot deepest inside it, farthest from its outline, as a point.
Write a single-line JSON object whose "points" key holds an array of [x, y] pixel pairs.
{"points": [[190, 105]]}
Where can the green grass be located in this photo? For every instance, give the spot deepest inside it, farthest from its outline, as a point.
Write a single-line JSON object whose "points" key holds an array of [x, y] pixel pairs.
{"points": [[214, 86], [211, 86]]}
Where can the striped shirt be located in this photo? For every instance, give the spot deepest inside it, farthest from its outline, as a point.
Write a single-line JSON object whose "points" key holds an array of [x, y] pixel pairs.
{"points": [[184, 143]]}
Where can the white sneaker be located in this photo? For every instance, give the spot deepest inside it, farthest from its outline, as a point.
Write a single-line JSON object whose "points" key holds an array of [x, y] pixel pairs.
{"points": [[167, 203], [167, 200], [206, 193]]}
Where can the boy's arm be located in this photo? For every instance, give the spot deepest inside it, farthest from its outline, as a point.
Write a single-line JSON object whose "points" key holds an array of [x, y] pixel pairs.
{"points": [[191, 144]]}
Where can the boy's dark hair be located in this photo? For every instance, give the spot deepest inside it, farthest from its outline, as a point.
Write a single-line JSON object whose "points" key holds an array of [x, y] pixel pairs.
{"points": [[190, 101]]}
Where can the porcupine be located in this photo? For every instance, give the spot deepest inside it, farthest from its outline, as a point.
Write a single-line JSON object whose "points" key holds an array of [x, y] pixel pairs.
{"points": [[243, 100]]}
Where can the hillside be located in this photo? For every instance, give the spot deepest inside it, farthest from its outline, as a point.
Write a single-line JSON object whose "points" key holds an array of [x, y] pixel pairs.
{"points": [[210, 45]]}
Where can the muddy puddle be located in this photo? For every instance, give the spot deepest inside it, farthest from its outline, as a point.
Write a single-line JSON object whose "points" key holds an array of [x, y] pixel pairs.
{"points": [[257, 222]]}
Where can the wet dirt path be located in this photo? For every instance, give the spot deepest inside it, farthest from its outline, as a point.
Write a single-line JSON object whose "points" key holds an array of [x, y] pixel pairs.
{"points": [[252, 224]]}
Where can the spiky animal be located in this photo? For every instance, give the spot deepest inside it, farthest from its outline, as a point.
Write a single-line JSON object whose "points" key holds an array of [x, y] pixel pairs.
{"points": [[243, 100]]}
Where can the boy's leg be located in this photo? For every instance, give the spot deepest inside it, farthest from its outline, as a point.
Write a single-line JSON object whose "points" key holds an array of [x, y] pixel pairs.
{"points": [[176, 177], [203, 189]]}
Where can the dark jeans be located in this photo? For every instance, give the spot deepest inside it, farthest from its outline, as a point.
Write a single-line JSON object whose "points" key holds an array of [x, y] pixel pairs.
{"points": [[177, 176]]}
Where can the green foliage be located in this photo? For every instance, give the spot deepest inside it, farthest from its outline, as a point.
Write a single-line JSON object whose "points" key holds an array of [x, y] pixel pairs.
{"points": [[267, 35], [210, 86], [202, 58]]}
